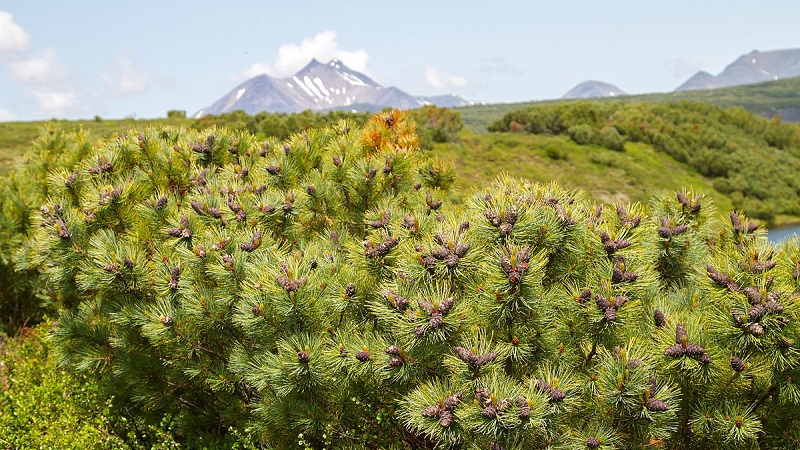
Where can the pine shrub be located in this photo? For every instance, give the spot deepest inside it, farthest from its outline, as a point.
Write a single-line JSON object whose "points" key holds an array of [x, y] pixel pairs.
{"points": [[323, 293]]}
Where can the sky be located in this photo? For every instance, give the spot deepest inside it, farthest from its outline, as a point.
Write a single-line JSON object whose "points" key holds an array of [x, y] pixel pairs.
{"points": [[125, 58]]}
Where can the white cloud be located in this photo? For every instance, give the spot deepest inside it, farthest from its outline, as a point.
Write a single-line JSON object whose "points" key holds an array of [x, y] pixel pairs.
{"points": [[6, 116], [440, 81], [13, 38], [124, 78], [55, 103], [293, 57], [40, 69]]}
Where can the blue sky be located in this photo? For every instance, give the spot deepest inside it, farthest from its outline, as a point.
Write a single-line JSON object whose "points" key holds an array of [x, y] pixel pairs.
{"points": [[78, 59]]}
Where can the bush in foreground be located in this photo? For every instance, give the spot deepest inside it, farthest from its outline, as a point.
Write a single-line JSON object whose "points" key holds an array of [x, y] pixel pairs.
{"points": [[320, 292]]}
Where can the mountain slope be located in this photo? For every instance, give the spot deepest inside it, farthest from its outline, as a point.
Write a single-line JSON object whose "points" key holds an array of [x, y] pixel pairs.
{"points": [[320, 87], [754, 67], [593, 89]]}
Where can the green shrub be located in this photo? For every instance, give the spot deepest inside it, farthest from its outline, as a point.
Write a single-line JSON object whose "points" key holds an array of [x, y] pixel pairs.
{"points": [[582, 134], [318, 292]]}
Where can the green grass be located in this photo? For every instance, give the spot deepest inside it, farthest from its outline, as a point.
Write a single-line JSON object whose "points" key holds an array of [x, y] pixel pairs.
{"points": [[634, 175]]}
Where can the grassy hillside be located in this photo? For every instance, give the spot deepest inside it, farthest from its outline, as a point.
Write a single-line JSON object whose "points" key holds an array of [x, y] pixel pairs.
{"points": [[634, 175], [766, 99], [751, 159]]}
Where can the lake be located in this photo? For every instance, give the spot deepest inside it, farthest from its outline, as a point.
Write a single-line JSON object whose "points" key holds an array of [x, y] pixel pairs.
{"points": [[778, 234]]}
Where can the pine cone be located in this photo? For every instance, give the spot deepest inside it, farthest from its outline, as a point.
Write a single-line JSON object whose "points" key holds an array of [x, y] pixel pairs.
{"points": [[557, 395], [256, 310], [489, 412], [482, 395], [682, 199], [440, 253], [451, 260], [592, 442], [773, 296], [446, 418], [505, 264], [436, 320], [680, 333], [452, 401], [756, 312], [753, 295], [395, 361], [705, 359], [129, 263], [274, 170], [674, 350], [610, 314], [303, 357], [350, 290], [784, 343], [432, 411], [737, 364], [651, 383], [392, 350], [755, 329], [175, 277], [694, 350], [656, 405], [543, 386], [167, 321], [584, 296], [363, 356], [602, 302], [634, 363], [659, 319], [495, 446], [446, 305]]}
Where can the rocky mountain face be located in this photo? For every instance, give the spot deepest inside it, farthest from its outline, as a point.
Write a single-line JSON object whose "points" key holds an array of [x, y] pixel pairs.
{"points": [[593, 89], [754, 67], [320, 87]]}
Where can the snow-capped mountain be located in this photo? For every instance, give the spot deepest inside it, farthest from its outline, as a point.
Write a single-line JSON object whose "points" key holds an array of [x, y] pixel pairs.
{"points": [[320, 87]]}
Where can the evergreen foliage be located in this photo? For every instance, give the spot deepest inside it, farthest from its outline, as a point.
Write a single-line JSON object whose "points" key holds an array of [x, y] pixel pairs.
{"points": [[321, 292]]}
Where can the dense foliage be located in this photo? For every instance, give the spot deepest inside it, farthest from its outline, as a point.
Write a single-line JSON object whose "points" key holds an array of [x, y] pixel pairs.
{"points": [[319, 292], [43, 406], [754, 160]]}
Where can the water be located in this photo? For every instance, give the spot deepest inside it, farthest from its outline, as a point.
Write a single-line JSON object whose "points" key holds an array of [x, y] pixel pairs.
{"points": [[779, 234]]}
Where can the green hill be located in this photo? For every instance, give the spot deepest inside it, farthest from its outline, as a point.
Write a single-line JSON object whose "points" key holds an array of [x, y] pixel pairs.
{"points": [[752, 160], [765, 99]]}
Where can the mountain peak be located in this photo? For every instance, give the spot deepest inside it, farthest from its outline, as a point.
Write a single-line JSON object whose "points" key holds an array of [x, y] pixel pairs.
{"points": [[754, 67], [320, 87], [593, 89]]}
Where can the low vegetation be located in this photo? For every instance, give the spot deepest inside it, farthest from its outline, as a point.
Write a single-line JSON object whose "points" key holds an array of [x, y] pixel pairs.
{"points": [[322, 292]]}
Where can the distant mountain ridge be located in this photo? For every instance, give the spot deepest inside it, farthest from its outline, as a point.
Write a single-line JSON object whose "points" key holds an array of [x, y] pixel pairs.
{"points": [[321, 87], [754, 67]]}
